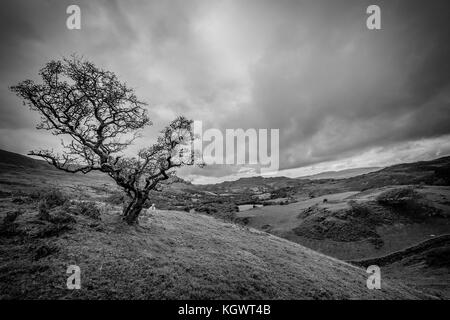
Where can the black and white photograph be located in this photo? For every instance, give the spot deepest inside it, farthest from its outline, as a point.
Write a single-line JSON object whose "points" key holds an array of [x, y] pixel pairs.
{"points": [[248, 151]]}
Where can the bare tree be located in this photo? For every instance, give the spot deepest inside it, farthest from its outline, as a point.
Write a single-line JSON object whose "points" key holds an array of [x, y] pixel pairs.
{"points": [[102, 116]]}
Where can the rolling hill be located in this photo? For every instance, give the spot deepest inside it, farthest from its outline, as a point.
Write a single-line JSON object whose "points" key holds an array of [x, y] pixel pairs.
{"points": [[341, 174], [352, 224], [171, 255], [17, 160], [185, 245], [425, 265], [433, 172]]}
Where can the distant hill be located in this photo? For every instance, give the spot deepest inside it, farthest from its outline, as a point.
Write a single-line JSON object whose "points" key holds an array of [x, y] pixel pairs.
{"points": [[433, 172], [18, 160], [341, 174]]}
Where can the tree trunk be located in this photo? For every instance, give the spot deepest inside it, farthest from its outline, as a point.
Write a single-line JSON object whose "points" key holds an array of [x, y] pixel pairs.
{"points": [[131, 213]]}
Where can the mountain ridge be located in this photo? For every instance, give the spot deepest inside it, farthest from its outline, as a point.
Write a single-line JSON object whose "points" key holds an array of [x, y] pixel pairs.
{"points": [[15, 159], [341, 174]]}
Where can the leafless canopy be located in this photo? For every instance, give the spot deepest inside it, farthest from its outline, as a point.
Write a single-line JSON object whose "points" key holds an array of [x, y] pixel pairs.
{"points": [[102, 116]]}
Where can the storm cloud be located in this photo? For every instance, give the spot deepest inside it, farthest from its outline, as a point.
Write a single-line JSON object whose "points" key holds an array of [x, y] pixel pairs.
{"points": [[341, 95]]}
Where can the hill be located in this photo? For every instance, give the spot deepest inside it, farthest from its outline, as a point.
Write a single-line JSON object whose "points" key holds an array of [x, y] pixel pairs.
{"points": [[20, 174], [17, 160], [425, 265], [353, 224], [423, 251], [341, 174], [182, 244], [433, 172], [171, 255]]}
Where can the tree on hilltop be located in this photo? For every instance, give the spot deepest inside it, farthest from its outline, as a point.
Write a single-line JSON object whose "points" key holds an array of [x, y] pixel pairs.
{"points": [[102, 117]]}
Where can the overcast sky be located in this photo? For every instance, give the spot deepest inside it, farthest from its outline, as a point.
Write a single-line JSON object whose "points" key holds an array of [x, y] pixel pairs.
{"points": [[342, 96]]}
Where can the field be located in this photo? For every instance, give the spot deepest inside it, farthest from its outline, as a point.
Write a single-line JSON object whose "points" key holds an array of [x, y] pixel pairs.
{"points": [[397, 232]]}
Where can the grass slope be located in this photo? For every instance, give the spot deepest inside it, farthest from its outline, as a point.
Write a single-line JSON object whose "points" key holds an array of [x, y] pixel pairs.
{"points": [[425, 266], [418, 249], [171, 255]]}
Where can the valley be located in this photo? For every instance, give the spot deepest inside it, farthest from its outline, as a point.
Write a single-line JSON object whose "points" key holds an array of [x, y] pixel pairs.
{"points": [[284, 234]]}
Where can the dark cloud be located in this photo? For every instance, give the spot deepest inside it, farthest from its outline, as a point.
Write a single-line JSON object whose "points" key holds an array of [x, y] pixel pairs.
{"points": [[333, 86], [335, 89]]}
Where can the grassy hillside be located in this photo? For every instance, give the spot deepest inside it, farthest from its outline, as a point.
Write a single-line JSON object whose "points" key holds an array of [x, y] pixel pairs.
{"points": [[172, 255], [18, 160], [21, 175], [425, 266], [340, 218]]}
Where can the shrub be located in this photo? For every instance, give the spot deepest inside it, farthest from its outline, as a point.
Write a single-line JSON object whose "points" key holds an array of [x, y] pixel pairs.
{"points": [[244, 220], [19, 200], [207, 209], [52, 197], [9, 227], [358, 209], [43, 251], [52, 230], [43, 209], [88, 209], [11, 216], [398, 197], [60, 216]]}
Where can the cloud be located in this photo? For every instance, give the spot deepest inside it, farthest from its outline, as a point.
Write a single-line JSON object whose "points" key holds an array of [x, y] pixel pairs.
{"points": [[334, 86], [335, 89]]}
